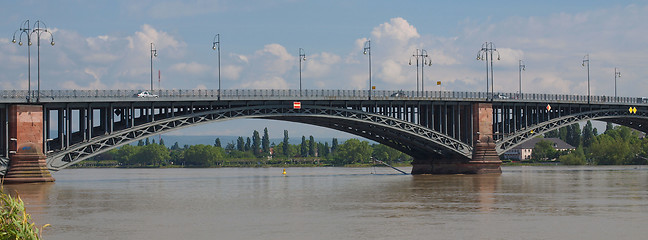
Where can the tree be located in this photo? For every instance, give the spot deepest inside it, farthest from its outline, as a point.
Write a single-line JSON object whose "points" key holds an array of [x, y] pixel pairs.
{"points": [[551, 134], [334, 145], [217, 143], [175, 146], [574, 135], [248, 144], [327, 150], [576, 157], [286, 144], [386, 154], [147, 142], [162, 142], [126, 153], [588, 134], [152, 154], [140, 143], [256, 143], [265, 142], [202, 155], [353, 151], [240, 144], [311, 146], [304, 147], [608, 127], [544, 150]]}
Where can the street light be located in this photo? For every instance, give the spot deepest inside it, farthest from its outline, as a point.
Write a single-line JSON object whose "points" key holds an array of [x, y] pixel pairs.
{"points": [[522, 67], [24, 28], [488, 48], [617, 74], [367, 51], [153, 54], [38, 30], [216, 46], [586, 60], [425, 60], [302, 57]]}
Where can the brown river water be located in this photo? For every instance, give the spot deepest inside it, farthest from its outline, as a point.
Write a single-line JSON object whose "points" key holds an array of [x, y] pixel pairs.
{"points": [[551, 202]]}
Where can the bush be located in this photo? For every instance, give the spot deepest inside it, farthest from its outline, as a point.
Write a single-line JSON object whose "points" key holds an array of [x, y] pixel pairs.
{"points": [[14, 220]]}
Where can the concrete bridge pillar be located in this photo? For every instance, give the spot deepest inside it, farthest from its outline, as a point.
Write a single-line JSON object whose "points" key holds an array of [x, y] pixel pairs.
{"points": [[484, 159], [27, 160]]}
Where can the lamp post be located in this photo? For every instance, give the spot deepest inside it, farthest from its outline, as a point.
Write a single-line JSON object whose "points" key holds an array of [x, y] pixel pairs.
{"points": [[522, 67], [367, 51], [586, 60], [617, 74], [216, 46], [153, 54], [38, 30], [488, 48], [302, 57], [24, 28], [425, 60]]}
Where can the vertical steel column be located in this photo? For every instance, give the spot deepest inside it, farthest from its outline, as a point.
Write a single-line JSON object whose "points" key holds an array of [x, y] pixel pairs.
{"points": [[82, 122], [61, 126], [90, 121], [132, 115], [111, 116], [68, 130], [46, 129]]}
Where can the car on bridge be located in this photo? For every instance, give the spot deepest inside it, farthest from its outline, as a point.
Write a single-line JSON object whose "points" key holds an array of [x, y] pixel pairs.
{"points": [[501, 96], [400, 93], [145, 94]]}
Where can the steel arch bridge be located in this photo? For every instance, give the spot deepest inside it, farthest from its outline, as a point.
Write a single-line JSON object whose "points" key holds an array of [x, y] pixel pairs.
{"points": [[431, 127], [401, 135]]}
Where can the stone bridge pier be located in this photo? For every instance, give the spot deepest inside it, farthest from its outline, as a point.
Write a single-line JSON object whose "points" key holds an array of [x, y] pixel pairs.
{"points": [[27, 161], [484, 159]]}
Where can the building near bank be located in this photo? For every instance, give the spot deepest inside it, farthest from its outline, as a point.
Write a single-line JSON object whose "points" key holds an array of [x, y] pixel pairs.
{"points": [[523, 151]]}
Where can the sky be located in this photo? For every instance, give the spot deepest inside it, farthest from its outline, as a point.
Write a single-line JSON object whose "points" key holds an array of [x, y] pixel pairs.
{"points": [[107, 45]]}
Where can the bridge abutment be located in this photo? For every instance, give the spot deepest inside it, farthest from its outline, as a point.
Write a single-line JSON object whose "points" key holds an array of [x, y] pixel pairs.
{"points": [[27, 161], [484, 159]]}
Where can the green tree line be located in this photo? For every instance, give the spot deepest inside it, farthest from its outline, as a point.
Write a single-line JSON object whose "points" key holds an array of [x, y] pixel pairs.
{"points": [[618, 145], [252, 151]]}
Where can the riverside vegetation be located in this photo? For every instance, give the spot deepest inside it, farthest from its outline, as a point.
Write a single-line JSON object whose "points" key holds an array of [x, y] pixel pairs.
{"points": [[618, 145], [254, 151], [15, 223]]}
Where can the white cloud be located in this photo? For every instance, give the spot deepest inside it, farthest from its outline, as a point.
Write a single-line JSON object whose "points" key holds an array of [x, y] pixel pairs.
{"points": [[192, 68], [269, 83], [397, 28], [232, 72]]}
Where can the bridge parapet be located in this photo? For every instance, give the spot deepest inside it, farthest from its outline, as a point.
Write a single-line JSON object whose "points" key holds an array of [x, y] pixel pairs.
{"points": [[20, 96]]}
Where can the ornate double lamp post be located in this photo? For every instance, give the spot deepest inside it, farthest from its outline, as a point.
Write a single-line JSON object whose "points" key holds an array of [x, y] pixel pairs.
{"points": [[367, 51], [488, 49], [587, 61], [153, 54], [425, 60], [27, 32], [522, 67], [617, 74], [302, 57], [216, 46]]}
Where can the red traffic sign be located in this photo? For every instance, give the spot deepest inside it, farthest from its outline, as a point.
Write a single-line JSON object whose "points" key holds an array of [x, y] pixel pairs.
{"points": [[297, 105]]}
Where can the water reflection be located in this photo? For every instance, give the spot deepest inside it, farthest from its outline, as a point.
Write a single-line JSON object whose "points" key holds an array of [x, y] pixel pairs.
{"points": [[34, 195]]}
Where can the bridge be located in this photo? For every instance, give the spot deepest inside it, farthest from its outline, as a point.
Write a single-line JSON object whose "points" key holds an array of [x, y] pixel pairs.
{"points": [[445, 132]]}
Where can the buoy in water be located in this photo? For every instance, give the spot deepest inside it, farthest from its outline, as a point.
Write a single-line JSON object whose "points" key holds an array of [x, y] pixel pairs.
{"points": [[284, 172]]}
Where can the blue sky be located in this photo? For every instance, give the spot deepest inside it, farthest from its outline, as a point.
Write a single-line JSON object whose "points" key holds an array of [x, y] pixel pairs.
{"points": [[105, 45]]}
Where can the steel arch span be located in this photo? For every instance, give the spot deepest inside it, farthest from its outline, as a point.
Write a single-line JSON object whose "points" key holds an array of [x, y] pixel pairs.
{"points": [[621, 116], [410, 138]]}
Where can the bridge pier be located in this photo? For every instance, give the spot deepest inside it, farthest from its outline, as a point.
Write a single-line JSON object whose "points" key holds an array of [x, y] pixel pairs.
{"points": [[484, 159], [27, 161]]}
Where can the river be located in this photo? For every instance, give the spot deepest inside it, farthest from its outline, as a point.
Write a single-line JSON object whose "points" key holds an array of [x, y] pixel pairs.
{"points": [[341, 203]]}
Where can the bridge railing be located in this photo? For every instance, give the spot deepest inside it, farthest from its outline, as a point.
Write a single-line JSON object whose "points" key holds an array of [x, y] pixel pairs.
{"points": [[325, 94]]}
